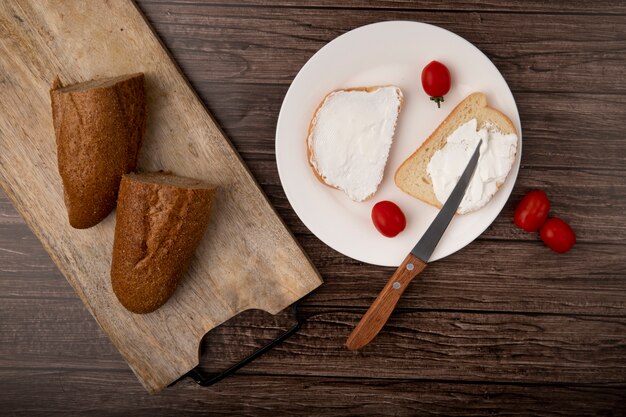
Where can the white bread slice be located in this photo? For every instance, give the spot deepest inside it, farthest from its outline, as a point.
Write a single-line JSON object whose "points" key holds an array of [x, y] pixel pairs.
{"points": [[350, 136], [412, 176]]}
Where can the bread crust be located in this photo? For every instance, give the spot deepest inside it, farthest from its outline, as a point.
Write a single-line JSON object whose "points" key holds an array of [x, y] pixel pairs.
{"points": [[436, 141], [160, 222], [99, 127], [310, 154]]}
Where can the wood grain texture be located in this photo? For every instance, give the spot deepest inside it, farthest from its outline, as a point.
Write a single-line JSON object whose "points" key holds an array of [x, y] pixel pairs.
{"points": [[415, 345], [42, 40], [550, 53], [515, 329], [526, 7], [553, 136], [250, 396], [453, 346]]}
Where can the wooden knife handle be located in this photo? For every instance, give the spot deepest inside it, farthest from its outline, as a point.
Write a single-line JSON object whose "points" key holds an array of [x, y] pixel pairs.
{"points": [[375, 318]]}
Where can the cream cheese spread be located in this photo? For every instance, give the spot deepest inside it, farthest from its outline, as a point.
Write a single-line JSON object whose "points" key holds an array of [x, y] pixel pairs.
{"points": [[497, 154], [351, 136]]}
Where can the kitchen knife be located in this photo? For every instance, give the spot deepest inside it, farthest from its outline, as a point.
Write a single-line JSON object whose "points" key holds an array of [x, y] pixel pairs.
{"points": [[415, 262]]}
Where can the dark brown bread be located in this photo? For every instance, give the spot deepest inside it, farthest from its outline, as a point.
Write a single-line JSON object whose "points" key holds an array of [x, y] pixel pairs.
{"points": [[160, 221], [99, 126]]}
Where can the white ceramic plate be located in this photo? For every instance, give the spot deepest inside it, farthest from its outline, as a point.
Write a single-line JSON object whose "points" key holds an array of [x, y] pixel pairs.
{"points": [[377, 54]]}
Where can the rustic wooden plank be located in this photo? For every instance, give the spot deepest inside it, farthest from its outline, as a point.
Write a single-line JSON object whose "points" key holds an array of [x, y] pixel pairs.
{"points": [[550, 53], [62, 392], [485, 276], [528, 6], [488, 276], [414, 345], [8, 214], [441, 345], [76, 339], [591, 201], [553, 135], [22, 257]]}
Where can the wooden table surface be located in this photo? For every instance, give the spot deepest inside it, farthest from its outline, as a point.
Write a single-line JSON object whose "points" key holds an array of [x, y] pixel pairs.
{"points": [[504, 326]]}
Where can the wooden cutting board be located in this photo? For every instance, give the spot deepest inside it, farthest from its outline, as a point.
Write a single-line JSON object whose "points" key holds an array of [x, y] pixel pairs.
{"points": [[248, 259]]}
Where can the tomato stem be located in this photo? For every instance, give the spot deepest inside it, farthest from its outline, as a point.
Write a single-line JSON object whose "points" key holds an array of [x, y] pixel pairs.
{"points": [[438, 100]]}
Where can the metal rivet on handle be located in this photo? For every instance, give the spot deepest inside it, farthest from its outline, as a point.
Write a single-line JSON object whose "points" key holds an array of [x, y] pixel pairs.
{"points": [[396, 285], [410, 266]]}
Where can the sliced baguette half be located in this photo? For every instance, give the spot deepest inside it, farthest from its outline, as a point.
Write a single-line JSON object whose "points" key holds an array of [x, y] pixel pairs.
{"points": [[99, 127], [161, 219], [350, 136], [412, 176]]}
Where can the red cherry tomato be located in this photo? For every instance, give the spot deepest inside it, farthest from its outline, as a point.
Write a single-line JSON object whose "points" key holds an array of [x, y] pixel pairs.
{"points": [[532, 212], [557, 235], [388, 218], [436, 81]]}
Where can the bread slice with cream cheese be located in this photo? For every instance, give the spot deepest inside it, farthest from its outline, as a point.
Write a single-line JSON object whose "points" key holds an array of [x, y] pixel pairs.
{"points": [[350, 135], [413, 176]]}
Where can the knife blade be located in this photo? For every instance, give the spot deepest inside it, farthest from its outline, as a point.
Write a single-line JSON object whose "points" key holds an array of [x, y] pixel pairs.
{"points": [[377, 315], [424, 248]]}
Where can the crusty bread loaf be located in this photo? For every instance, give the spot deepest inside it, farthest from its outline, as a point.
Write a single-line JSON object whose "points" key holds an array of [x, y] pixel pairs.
{"points": [[160, 221], [412, 176], [311, 137], [99, 126]]}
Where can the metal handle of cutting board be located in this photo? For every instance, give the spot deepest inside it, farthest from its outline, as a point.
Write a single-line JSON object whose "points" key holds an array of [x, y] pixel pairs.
{"points": [[205, 380]]}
